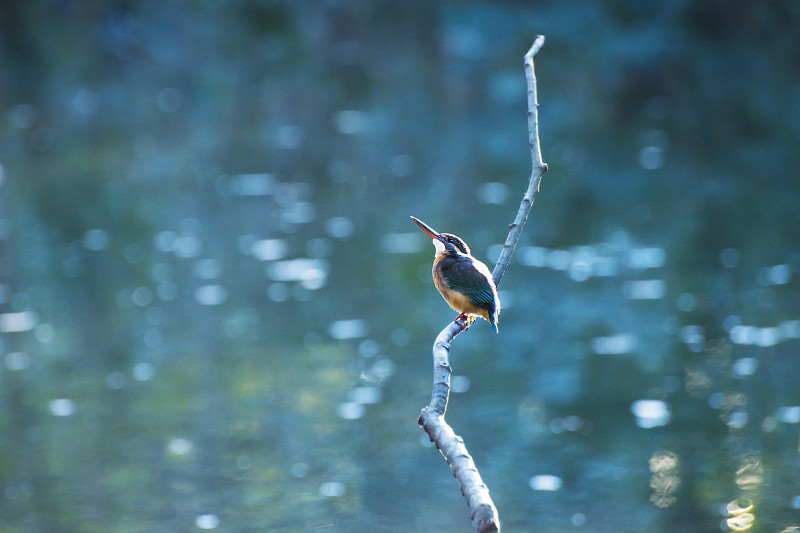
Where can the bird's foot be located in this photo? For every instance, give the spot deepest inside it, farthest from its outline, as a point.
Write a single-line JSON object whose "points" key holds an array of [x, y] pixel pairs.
{"points": [[466, 319]]}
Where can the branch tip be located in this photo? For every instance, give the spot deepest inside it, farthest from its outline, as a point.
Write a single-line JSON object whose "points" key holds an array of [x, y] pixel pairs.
{"points": [[535, 47]]}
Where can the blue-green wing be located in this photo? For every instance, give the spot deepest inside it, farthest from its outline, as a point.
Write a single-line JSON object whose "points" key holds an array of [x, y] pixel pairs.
{"points": [[472, 279]]}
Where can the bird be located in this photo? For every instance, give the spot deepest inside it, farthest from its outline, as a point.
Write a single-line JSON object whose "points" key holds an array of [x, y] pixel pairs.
{"points": [[465, 283]]}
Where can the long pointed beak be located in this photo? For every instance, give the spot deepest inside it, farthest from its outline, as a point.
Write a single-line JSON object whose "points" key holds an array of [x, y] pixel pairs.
{"points": [[427, 229]]}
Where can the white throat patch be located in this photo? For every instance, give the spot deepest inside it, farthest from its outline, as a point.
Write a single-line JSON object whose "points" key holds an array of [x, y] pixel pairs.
{"points": [[439, 245]]}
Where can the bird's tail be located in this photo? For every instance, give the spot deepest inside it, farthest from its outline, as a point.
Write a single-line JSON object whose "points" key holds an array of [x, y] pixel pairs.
{"points": [[493, 319]]}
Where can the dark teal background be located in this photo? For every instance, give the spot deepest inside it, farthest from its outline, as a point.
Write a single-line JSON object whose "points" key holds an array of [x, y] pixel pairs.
{"points": [[217, 315]]}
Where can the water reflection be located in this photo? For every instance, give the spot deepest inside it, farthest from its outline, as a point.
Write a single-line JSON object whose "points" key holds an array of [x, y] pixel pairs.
{"points": [[350, 121], [614, 345], [350, 410], [751, 473], [339, 227], [144, 371], [365, 395], [402, 243], [348, 329], [17, 361], [775, 275], [332, 489], [18, 322], [546, 482], [268, 249], [180, 446], [694, 337], [379, 371], [606, 259], [207, 521], [577, 519], [210, 294], [493, 193], [651, 413], [312, 274], [183, 245], [745, 367], [645, 289], [665, 479], [765, 336], [788, 415], [460, 384], [96, 240], [741, 518], [62, 407], [184, 259], [571, 423]]}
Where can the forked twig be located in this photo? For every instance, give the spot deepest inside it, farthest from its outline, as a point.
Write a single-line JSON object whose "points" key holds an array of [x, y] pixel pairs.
{"points": [[484, 513]]}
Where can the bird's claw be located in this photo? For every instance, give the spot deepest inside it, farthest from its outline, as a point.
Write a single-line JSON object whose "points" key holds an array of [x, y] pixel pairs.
{"points": [[466, 319]]}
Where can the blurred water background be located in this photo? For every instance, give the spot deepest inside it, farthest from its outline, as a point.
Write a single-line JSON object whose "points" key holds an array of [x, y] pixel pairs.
{"points": [[217, 315]]}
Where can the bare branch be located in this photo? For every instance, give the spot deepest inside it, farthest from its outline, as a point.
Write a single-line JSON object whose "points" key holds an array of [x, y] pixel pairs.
{"points": [[484, 514], [538, 168]]}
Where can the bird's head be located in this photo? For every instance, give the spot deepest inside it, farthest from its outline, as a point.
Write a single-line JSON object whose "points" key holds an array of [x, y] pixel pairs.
{"points": [[445, 243]]}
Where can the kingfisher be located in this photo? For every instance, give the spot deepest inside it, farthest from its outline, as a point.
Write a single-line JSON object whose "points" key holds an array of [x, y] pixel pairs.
{"points": [[465, 283]]}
